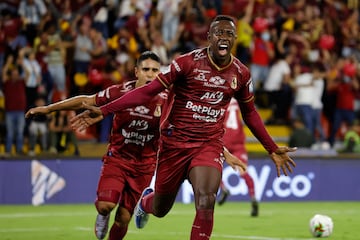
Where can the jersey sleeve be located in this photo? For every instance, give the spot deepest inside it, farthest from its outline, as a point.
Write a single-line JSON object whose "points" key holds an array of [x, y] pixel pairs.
{"points": [[245, 98], [175, 70], [246, 91], [110, 93], [133, 98]]}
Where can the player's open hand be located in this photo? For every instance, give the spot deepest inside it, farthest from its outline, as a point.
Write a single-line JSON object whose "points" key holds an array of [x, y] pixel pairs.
{"points": [[37, 111], [90, 116], [282, 160], [234, 162]]}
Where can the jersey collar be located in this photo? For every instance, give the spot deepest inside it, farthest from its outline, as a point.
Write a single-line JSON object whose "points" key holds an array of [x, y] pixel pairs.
{"points": [[214, 64]]}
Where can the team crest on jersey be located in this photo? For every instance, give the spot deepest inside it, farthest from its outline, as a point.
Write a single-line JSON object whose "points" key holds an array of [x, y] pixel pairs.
{"points": [[234, 83], [157, 112]]}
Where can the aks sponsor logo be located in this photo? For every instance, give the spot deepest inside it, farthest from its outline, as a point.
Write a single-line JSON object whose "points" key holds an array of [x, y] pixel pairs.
{"points": [[45, 183], [213, 97], [139, 124]]}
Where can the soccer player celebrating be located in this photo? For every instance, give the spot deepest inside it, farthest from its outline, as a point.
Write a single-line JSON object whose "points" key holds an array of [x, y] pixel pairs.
{"points": [[129, 163], [201, 85], [130, 160], [234, 140]]}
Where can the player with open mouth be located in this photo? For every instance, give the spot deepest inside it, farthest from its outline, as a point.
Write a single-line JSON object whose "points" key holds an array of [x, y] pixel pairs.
{"points": [[191, 146]]}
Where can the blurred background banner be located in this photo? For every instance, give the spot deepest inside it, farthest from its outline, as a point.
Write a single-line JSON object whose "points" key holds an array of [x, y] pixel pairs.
{"points": [[75, 180]]}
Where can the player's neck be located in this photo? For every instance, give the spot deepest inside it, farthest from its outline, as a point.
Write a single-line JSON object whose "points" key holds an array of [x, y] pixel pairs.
{"points": [[217, 62]]}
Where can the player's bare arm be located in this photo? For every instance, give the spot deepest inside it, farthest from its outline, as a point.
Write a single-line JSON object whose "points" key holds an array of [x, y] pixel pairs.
{"points": [[73, 103], [137, 96], [90, 116]]}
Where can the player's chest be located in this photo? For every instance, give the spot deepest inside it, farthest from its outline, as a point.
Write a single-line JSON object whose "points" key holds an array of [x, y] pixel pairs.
{"points": [[205, 83], [206, 77], [143, 117]]}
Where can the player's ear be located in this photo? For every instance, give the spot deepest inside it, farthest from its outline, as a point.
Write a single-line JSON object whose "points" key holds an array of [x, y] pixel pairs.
{"points": [[136, 71], [208, 36]]}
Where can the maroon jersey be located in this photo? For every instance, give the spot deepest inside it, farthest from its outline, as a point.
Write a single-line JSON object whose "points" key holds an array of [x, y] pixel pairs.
{"points": [[14, 93], [199, 96], [234, 136], [135, 131]]}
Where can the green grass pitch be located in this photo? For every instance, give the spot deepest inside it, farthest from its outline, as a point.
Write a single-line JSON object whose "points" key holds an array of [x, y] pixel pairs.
{"points": [[277, 221]]}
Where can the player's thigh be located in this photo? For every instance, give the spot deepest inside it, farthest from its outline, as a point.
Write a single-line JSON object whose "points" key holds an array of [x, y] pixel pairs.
{"points": [[134, 187], [172, 170], [205, 179], [112, 180], [206, 172]]}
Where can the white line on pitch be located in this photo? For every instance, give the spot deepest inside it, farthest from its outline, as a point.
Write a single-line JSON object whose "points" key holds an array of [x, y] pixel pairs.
{"points": [[54, 214], [30, 230], [215, 235], [178, 213], [222, 236]]}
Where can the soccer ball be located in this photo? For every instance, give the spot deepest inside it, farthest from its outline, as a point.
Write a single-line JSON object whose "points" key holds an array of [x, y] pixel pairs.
{"points": [[321, 226]]}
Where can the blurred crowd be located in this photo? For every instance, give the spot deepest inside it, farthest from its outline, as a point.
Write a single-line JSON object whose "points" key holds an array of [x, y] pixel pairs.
{"points": [[303, 55]]}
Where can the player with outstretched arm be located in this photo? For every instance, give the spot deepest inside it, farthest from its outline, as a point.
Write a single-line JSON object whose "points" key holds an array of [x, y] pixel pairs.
{"points": [[201, 85], [130, 160], [129, 163]]}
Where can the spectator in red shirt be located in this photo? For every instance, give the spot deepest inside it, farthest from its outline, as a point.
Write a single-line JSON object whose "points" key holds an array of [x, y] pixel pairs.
{"points": [[345, 89], [15, 105], [11, 27], [262, 53]]}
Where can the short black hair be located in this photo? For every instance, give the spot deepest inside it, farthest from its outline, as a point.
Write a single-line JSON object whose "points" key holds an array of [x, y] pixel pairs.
{"points": [[147, 55], [223, 18]]}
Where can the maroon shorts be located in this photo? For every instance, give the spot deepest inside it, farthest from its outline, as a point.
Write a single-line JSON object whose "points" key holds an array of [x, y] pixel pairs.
{"points": [[174, 164], [120, 183]]}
